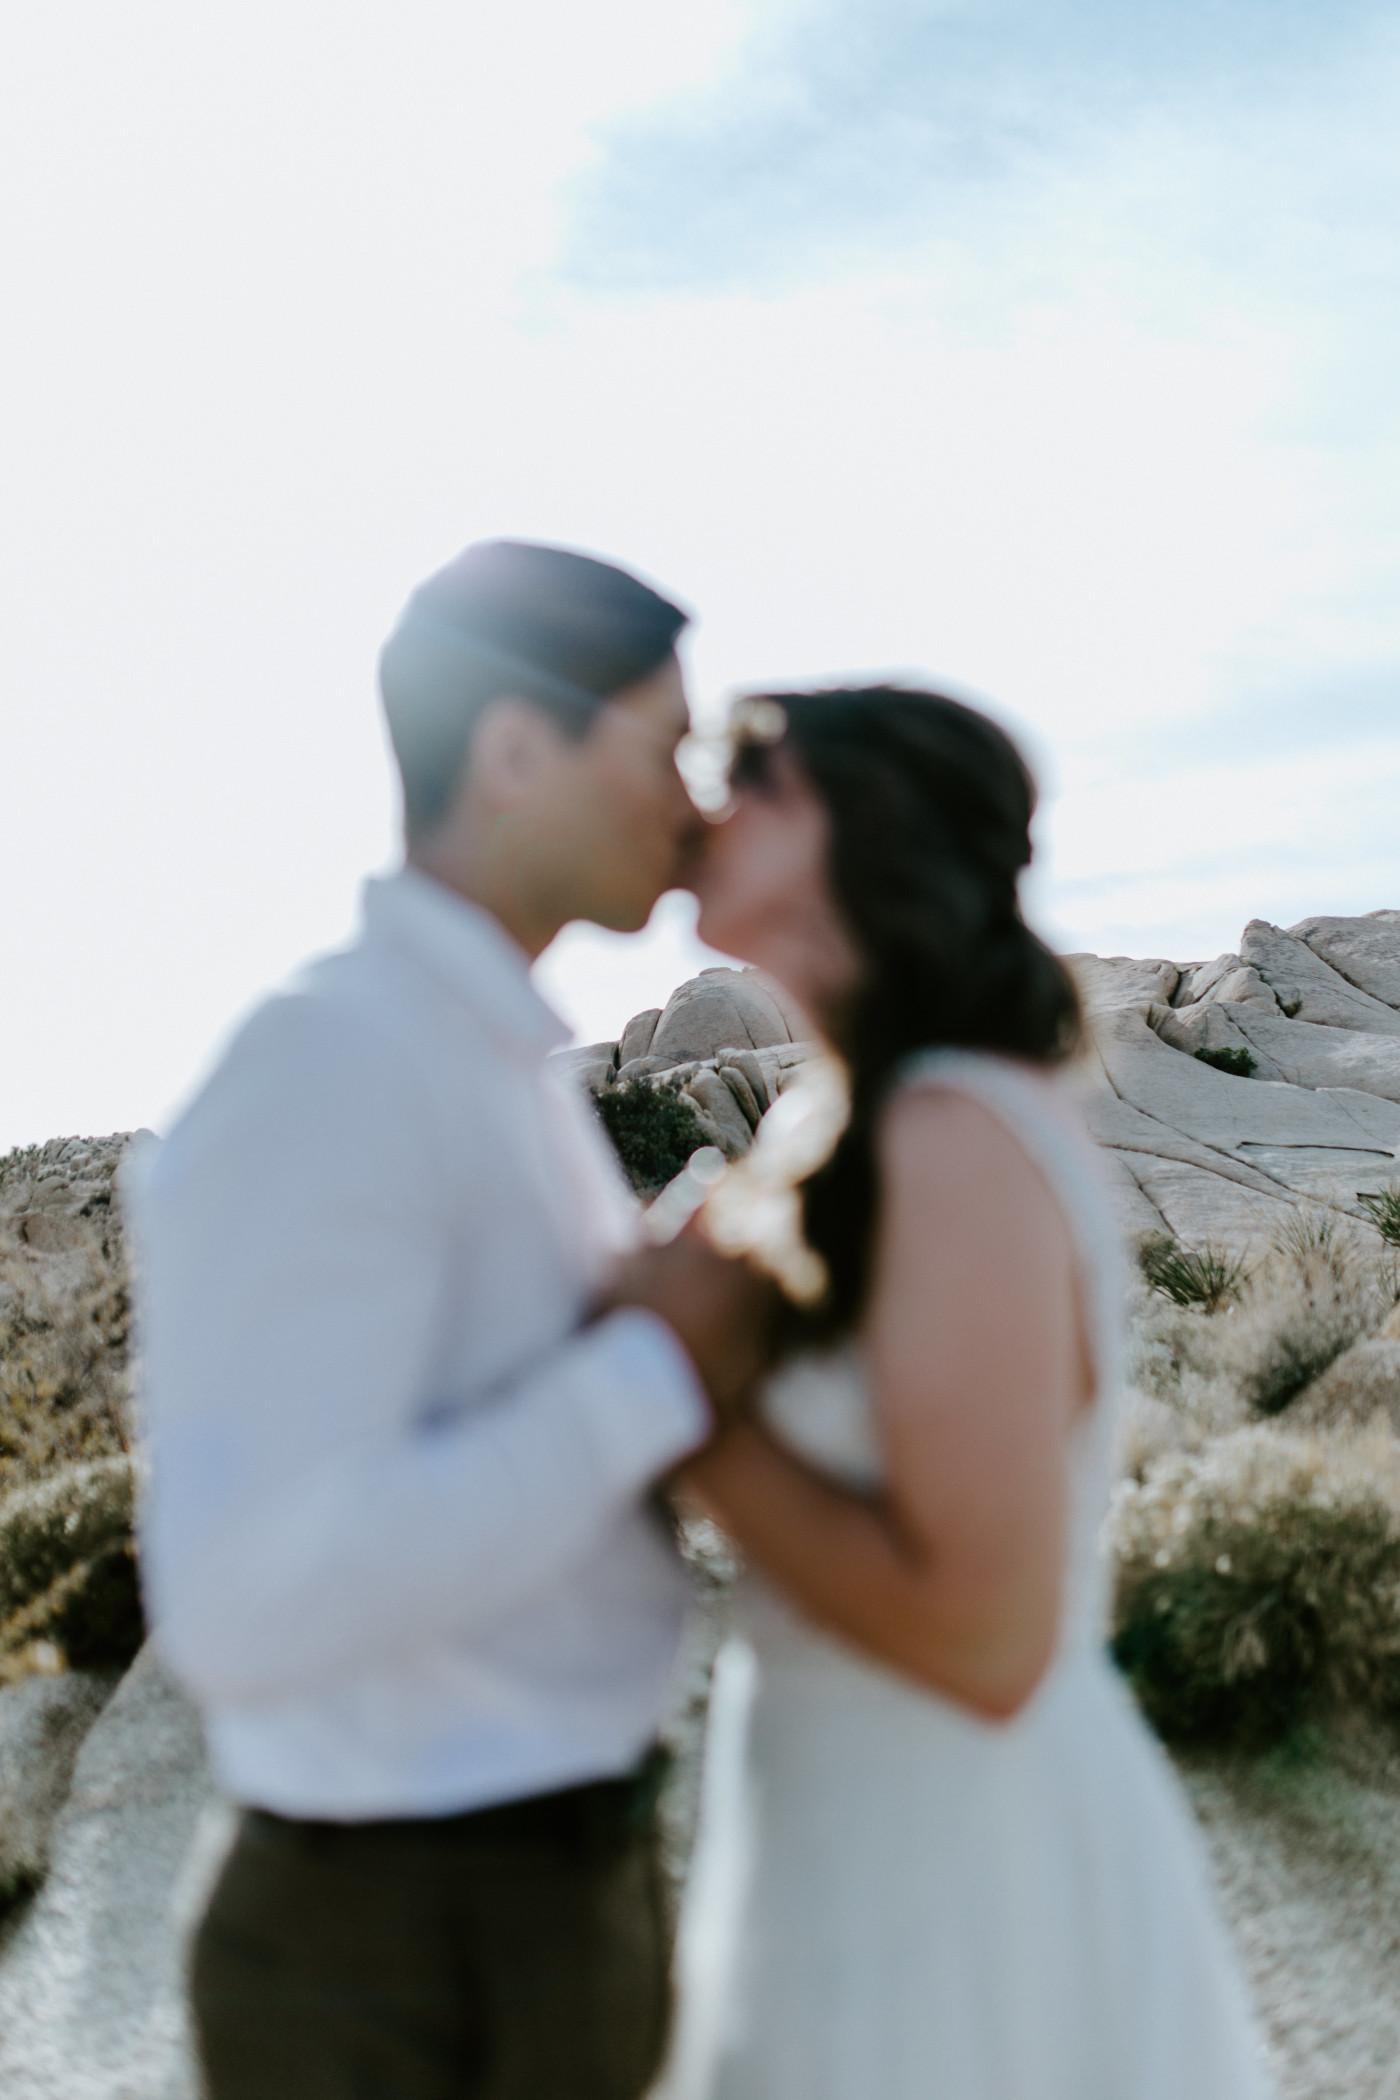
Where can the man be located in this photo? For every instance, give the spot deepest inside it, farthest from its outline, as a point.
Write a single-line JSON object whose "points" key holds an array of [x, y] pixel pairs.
{"points": [[398, 1541]]}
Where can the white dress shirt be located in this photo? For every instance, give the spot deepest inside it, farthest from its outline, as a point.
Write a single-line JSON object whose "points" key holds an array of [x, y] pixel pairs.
{"points": [[396, 1540]]}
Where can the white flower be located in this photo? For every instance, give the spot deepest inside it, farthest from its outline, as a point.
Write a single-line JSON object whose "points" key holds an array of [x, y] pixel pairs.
{"points": [[757, 1209]]}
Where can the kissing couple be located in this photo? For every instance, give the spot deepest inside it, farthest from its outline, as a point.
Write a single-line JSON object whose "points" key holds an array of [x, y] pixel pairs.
{"points": [[414, 1377]]}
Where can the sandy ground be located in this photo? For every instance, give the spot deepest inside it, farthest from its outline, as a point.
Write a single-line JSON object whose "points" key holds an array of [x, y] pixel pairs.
{"points": [[1306, 1845]]}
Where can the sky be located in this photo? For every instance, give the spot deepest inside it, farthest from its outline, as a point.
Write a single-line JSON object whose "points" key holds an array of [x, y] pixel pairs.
{"points": [[1041, 348]]}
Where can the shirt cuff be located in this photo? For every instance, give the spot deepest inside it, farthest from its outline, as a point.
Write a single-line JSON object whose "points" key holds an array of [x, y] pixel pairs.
{"points": [[649, 1408]]}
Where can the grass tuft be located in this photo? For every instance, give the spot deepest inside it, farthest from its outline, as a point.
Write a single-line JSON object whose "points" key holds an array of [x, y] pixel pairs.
{"points": [[1383, 1210], [1207, 1276]]}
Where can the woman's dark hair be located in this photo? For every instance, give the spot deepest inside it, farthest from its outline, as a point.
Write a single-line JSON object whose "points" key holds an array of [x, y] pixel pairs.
{"points": [[561, 629], [930, 806]]}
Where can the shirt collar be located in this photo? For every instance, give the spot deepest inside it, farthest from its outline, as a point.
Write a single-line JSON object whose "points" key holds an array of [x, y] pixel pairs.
{"points": [[468, 948]]}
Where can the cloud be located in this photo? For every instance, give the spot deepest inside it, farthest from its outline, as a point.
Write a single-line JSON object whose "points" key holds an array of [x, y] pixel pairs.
{"points": [[855, 122], [1170, 837]]}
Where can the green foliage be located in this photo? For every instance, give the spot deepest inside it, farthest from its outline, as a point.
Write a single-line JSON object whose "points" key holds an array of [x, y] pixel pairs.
{"points": [[654, 1129], [1215, 1660], [1239, 1062], [1259, 1586], [15, 1889], [1383, 1210], [1207, 1276]]}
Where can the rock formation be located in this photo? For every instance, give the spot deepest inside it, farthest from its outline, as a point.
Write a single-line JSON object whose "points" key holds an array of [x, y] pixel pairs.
{"points": [[92, 1995], [1205, 1154], [724, 1039], [1209, 1154]]}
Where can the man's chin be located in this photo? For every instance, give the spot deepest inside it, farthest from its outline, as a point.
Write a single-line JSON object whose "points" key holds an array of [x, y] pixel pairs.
{"points": [[624, 918]]}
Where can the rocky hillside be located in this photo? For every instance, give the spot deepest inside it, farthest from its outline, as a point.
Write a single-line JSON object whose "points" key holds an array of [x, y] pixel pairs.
{"points": [[1226, 1092]]}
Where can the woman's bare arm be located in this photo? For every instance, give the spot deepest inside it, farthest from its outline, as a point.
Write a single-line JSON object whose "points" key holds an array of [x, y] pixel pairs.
{"points": [[979, 1368]]}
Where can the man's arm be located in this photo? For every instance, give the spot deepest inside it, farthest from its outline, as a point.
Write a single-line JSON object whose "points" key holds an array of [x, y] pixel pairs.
{"points": [[305, 1520]]}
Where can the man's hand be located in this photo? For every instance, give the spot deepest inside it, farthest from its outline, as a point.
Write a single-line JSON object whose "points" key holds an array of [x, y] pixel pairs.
{"points": [[722, 1311]]}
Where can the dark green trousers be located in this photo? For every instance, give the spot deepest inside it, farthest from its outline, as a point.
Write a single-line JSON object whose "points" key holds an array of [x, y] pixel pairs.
{"points": [[516, 1953]]}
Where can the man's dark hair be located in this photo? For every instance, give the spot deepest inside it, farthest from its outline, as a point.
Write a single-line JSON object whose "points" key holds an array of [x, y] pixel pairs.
{"points": [[560, 629]]}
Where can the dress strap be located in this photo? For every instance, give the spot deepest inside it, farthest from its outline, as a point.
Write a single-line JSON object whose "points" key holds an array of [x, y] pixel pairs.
{"points": [[1037, 1113]]}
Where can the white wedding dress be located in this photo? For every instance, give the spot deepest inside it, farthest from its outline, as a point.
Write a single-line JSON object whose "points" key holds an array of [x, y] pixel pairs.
{"points": [[893, 1900]]}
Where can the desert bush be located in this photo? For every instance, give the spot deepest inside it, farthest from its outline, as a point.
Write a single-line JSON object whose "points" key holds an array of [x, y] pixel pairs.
{"points": [[1206, 1275], [1316, 1292], [1383, 1210], [1258, 1584], [654, 1129], [63, 1372], [68, 1590], [1235, 1059], [1178, 1394], [68, 1571], [64, 1310]]}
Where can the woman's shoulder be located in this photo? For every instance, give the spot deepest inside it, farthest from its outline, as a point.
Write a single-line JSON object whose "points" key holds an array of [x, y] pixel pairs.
{"points": [[951, 1102], [1030, 1103], [950, 1147], [951, 1096], [953, 1114]]}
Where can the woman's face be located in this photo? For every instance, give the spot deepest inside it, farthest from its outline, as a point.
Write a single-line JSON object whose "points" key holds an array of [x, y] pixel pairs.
{"points": [[765, 892]]}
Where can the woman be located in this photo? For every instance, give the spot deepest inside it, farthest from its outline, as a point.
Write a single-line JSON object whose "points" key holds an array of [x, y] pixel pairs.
{"points": [[945, 1860]]}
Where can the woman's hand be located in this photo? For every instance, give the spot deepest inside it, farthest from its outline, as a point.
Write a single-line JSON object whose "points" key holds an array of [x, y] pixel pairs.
{"points": [[721, 1310]]}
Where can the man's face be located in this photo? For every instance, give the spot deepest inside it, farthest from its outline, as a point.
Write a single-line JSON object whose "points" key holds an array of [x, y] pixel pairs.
{"points": [[617, 818]]}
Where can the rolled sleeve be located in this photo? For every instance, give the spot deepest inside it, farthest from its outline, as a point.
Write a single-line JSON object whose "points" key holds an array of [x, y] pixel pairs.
{"points": [[650, 1409]]}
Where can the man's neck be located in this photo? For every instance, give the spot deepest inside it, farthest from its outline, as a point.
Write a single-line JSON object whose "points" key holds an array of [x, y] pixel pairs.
{"points": [[490, 891]]}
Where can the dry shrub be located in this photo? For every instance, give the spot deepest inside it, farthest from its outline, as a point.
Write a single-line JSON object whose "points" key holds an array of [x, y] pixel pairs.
{"points": [[64, 1309], [1258, 1583], [63, 1369], [1360, 1387], [68, 1588], [1181, 1392], [1318, 1291], [1251, 1349], [1256, 1539]]}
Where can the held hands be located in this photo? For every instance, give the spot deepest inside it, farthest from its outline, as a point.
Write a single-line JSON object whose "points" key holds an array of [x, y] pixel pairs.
{"points": [[721, 1310]]}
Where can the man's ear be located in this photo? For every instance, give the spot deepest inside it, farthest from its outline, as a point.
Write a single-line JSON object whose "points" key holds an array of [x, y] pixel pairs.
{"points": [[513, 745]]}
